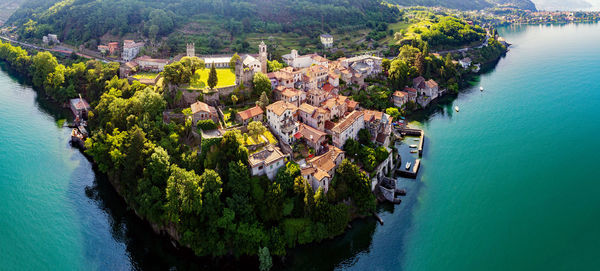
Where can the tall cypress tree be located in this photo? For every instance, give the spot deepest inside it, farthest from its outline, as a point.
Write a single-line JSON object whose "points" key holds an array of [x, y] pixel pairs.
{"points": [[212, 77]]}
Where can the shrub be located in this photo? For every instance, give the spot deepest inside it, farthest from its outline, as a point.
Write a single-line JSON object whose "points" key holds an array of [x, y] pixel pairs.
{"points": [[207, 125]]}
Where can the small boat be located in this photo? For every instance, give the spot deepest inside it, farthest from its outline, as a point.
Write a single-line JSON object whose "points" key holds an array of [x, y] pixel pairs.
{"points": [[408, 165], [413, 151], [416, 139], [413, 146], [456, 108], [481, 88]]}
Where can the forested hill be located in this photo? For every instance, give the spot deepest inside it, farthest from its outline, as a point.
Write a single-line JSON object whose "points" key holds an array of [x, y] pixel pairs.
{"points": [[468, 4], [77, 21]]}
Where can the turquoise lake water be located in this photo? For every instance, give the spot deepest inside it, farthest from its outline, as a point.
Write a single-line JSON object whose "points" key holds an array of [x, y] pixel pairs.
{"points": [[510, 182]]}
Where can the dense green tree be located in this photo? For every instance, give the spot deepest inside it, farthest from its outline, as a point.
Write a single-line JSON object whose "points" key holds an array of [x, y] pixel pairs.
{"points": [[233, 61], [400, 73], [151, 188], [364, 137], [393, 112], [420, 64], [192, 63], [261, 84], [273, 66], [286, 177], [43, 63], [256, 129], [263, 101], [176, 73], [350, 182], [385, 64], [408, 54]]}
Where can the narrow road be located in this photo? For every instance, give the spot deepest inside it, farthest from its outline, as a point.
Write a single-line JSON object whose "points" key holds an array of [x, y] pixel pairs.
{"points": [[487, 38], [23, 44]]}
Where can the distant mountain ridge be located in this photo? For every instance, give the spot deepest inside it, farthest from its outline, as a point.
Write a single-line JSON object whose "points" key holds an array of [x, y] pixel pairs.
{"points": [[562, 4], [469, 4]]}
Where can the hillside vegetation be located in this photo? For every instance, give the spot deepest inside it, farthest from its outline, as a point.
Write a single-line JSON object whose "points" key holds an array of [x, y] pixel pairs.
{"points": [[468, 4], [213, 25], [440, 30]]}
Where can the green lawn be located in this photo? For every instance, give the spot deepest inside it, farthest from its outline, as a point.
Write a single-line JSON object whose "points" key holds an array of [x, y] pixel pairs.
{"points": [[253, 141], [396, 27], [226, 78], [145, 75]]}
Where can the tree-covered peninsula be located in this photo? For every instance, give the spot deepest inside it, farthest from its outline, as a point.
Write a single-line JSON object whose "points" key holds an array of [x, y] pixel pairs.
{"points": [[206, 200]]}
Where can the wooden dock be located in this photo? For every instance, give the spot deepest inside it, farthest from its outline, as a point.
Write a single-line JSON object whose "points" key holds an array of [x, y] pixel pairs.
{"points": [[412, 172], [415, 132]]}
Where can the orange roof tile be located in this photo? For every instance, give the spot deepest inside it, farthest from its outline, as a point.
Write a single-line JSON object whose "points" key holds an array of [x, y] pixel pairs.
{"points": [[250, 113], [200, 107], [280, 107], [347, 122]]}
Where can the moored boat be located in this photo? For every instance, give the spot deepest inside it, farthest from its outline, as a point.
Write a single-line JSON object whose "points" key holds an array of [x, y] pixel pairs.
{"points": [[456, 108], [408, 165]]}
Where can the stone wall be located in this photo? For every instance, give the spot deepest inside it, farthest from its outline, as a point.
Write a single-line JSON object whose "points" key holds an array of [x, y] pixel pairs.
{"points": [[212, 98]]}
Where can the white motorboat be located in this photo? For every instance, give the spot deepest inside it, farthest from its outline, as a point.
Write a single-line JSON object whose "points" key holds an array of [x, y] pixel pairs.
{"points": [[408, 165], [456, 108], [413, 146], [481, 88]]}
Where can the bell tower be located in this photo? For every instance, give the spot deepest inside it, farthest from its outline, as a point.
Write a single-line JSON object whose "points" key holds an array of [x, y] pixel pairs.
{"points": [[191, 50], [262, 56]]}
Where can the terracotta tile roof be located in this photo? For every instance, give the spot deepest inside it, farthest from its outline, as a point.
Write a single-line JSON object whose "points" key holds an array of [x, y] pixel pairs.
{"points": [[328, 87], [372, 115], [333, 102], [431, 83], [201, 107], [250, 113], [132, 44], [321, 174], [149, 59], [311, 134], [319, 58], [288, 92], [281, 75], [321, 111], [267, 156], [280, 107], [308, 171], [351, 104], [410, 90], [400, 93], [307, 108], [347, 122], [329, 125], [316, 69], [317, 92], [326, 161]]}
